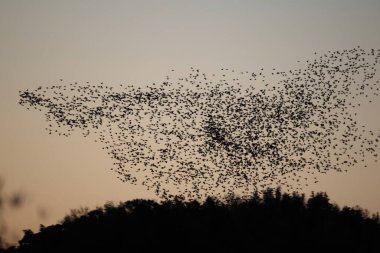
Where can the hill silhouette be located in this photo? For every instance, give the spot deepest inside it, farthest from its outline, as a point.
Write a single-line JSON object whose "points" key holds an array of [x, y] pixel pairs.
{"points": [[271, 221]]}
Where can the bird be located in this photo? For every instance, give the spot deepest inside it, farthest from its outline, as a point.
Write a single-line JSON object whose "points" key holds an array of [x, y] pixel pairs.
{"points": [[207, 134]]}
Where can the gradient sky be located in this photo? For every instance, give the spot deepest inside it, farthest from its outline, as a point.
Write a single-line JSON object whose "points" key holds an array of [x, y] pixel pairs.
{"points": [[139, 42]]}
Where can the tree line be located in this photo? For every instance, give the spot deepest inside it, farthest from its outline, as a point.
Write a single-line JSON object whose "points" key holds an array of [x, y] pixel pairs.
{"points": [[271, 221]]}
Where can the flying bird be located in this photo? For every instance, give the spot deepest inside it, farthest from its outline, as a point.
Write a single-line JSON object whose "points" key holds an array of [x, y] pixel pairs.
{"points": [[228, 132]]}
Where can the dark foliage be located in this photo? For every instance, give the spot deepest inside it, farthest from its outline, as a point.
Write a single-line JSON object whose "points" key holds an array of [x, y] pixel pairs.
{"points": [[273, 221]]}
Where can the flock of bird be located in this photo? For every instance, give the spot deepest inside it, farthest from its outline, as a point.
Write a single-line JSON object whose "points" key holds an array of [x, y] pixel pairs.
{"points": [[232, 132]]}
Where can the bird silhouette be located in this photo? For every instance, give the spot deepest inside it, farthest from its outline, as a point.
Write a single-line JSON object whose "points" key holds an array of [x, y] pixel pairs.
{"points": [[228, 132]]}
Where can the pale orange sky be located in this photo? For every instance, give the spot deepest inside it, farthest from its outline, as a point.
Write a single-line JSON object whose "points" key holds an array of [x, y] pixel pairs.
{"points": [[139, 42]]}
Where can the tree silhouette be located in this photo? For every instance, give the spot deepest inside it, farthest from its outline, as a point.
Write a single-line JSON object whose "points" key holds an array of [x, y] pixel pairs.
{"points": [[13, 201], [271, 221]]}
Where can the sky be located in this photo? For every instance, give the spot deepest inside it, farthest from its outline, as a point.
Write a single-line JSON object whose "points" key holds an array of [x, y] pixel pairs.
{"points": [[139, 42]]}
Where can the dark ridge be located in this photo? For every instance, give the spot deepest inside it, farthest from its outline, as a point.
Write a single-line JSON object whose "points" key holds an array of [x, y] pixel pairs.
{"points": [[267, 222]]}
